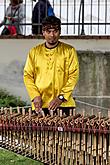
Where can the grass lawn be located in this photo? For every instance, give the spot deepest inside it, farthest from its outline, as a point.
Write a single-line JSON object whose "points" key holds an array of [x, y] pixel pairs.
{"points": [[10, 158]]}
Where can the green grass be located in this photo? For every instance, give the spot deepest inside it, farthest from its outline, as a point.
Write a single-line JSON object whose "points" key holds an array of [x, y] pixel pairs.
{"points": [[10, 158]]}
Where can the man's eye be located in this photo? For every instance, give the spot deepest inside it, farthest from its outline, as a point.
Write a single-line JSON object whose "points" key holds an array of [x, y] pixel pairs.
{"points": [[56, 31], [48, 31]]}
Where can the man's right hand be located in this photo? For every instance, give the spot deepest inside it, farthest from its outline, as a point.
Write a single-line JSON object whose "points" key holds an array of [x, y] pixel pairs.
{"points": [[37, 103]]}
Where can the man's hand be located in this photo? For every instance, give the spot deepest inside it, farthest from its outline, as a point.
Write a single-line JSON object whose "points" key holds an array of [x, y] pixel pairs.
{"points": [[55, 103], [37, 103]]}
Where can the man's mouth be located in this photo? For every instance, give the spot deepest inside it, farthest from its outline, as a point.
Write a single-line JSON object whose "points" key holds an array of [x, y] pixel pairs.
{"points": [[52, 40]]}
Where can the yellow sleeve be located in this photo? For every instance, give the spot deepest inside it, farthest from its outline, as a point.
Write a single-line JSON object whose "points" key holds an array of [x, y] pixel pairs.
{"points": [[29, 72], [73, 75]]}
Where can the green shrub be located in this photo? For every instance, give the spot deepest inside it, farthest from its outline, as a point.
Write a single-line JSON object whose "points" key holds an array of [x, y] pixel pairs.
{"points": [[8, 100]]}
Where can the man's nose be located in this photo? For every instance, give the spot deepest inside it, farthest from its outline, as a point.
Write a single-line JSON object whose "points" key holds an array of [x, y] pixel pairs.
{"points": [[52, 33]]}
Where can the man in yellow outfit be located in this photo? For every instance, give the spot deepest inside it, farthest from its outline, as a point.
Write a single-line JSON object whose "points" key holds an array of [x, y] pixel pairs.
{"points": [[51, 70]]}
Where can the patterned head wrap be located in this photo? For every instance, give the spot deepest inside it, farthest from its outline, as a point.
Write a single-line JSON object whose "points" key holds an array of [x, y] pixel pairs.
{"points": [[51, 22]]}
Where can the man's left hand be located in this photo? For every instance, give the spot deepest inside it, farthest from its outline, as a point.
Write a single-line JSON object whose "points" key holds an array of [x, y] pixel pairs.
{"points": [[55, 103]]}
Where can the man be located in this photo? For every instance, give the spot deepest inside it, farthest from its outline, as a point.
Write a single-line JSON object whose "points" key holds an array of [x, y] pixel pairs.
{"points": [[51, 70], [39, 12]]}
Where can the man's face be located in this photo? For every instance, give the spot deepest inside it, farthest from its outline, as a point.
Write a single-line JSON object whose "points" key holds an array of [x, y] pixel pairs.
{"points": [[51, 36]]}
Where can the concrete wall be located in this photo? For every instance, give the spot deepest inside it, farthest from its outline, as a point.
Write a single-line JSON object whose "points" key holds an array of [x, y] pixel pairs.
{"points": [[94, 59], [94, 78]]}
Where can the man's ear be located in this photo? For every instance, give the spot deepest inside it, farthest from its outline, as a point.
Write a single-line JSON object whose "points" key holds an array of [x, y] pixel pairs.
{"points": [[43, 32]]}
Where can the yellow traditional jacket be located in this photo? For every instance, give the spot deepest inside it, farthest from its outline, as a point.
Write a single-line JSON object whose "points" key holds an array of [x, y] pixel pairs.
{"points": [[50, 72]]}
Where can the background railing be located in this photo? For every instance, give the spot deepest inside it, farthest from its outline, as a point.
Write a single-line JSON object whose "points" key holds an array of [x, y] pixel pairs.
{"points": [[79, 17]]}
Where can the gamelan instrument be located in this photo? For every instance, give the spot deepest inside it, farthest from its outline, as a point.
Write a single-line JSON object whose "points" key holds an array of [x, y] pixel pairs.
{"points": [[56, 139]]}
